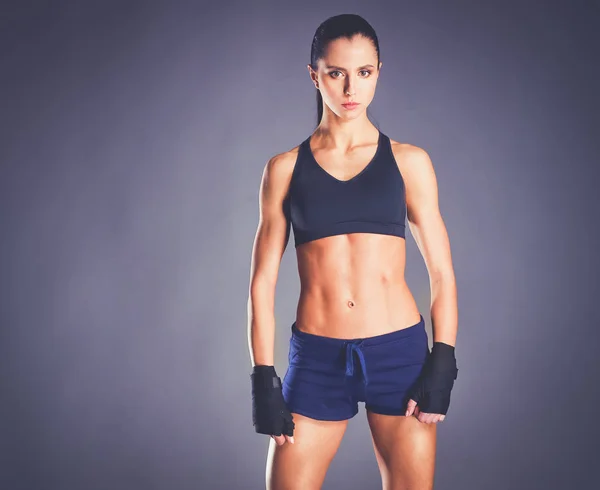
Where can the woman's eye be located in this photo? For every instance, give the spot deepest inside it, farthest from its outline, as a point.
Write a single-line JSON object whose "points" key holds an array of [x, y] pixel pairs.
{"points": [[336, 72]]}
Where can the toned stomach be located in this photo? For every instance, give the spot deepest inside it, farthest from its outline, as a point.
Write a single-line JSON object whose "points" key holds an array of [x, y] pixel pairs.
{"points": [[353, 286]]}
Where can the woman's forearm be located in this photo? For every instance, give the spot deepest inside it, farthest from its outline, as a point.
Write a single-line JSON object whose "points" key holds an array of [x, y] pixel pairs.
{"points": [[261, 324], [444, 308]]}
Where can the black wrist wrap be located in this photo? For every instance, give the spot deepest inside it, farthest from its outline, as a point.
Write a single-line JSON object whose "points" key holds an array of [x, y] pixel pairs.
{"points": [[269, 412], [432, 390]]}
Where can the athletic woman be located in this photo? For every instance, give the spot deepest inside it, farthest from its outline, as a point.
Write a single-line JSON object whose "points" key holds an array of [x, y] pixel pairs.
{"points": [[358, 336]]}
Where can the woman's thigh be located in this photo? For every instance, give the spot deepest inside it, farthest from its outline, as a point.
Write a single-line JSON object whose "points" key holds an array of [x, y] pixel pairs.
{"points": [[303, 465], [405, 451]]}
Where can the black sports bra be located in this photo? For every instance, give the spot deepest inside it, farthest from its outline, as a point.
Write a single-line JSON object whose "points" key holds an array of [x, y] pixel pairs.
{"points": [[320, 205]]}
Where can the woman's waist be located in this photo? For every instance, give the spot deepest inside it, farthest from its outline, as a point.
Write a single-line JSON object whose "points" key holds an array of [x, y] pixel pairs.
{"points": [[356, 312], [364, 288]]}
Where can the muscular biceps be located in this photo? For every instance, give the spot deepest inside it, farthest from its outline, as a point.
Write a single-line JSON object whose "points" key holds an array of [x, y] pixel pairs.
{"points": [[423, 212], [273, 230]]}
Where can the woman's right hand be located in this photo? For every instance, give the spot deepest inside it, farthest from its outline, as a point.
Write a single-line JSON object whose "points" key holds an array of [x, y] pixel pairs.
{"points": [[270, 414], [282, 439]]}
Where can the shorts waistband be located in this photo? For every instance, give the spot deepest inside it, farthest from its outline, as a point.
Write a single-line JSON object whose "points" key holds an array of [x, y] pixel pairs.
{"points": [[364, 341]]}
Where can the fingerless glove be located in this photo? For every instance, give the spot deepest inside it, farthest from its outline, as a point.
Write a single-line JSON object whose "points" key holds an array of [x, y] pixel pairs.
{"points": [[270, 414], [432, 390]]}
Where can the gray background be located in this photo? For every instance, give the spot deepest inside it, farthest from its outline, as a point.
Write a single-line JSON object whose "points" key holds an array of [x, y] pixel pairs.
{"points": [[133, 139]]}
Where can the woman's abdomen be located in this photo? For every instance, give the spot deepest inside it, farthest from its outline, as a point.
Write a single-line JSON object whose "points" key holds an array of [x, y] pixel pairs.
{"points": [[353, 286]]}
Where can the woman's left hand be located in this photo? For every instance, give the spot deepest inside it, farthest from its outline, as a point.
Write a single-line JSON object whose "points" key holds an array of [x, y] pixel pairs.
{"points": [[426, 418], [432, 389]]}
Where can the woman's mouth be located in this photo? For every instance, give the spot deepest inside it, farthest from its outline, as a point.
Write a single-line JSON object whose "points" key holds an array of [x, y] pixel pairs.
{"points": [[350, 105]]}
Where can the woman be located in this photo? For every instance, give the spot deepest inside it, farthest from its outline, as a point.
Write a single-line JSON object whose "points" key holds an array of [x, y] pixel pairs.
{"points": [[358, 334]]}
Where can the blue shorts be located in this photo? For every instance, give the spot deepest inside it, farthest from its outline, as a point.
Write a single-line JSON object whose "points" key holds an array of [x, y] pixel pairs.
{"points": [[327, 377]]}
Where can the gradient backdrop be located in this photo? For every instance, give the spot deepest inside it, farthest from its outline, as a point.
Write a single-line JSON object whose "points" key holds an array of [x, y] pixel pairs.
{"points": [[133, 139]]}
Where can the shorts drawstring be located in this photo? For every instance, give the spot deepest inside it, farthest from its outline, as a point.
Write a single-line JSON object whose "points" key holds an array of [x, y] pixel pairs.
{"points": [[355, 347]]}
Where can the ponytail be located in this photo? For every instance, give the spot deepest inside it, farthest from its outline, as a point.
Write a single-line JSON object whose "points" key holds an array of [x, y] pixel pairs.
{"points": [[319, 107]]}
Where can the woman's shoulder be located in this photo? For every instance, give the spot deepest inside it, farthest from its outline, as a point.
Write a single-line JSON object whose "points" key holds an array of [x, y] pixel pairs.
{"points": [[413, 162], [403, 150], [409, 156], [280, 166]]}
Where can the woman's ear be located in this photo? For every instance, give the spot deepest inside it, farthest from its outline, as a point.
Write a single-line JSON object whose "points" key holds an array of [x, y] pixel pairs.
{"points": [[313, 75]]}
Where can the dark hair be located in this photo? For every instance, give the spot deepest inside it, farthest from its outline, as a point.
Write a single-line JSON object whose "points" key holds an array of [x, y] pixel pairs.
{"points": [[344, 25]]}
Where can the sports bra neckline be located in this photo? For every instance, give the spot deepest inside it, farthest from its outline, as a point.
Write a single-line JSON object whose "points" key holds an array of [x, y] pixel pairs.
{"points": [[364, 169]]}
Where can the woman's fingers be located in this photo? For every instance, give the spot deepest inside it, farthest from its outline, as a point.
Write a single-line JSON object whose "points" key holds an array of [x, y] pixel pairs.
{"points": [[283, 438], [429, 418], [280, 440], [410, 408]]}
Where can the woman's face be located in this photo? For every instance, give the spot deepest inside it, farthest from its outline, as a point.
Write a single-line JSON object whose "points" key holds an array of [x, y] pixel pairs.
{"points": [[347, 73]]}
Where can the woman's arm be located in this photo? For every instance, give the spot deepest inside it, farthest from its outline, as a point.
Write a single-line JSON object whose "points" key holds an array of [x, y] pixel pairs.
{"points": [[269, 245], [428, 229]]}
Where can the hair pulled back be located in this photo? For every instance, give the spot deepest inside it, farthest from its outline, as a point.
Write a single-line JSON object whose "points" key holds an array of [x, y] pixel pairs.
{"points": [[336, 27]]}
